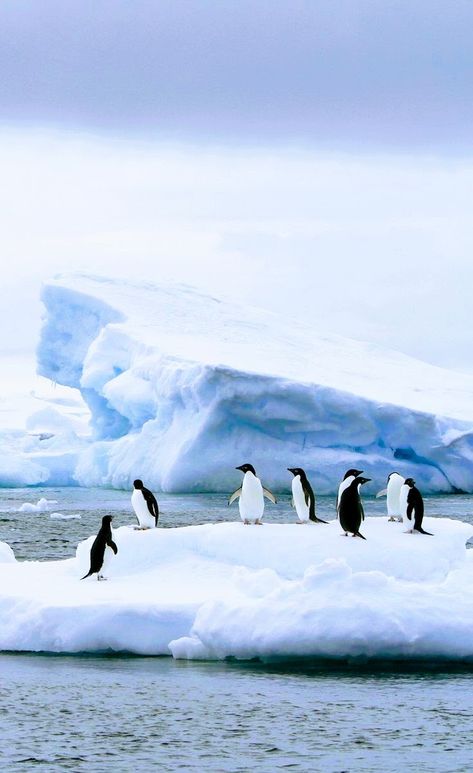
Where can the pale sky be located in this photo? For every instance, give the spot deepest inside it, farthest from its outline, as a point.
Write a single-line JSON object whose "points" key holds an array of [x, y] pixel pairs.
{"points": [[314, 158]]}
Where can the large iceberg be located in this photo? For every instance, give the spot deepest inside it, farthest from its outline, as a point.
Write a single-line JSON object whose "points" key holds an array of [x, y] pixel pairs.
{"points": [[182, 387], [225, 590]]}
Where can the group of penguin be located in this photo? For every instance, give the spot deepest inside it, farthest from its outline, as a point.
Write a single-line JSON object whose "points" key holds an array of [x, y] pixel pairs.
{"points": [[402, 495], [403, 498]]}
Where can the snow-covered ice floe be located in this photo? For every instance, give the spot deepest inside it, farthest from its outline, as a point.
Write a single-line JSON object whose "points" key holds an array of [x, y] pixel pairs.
{"points": [[40, 506], [183, 387], [277, 591], [62, 517]]}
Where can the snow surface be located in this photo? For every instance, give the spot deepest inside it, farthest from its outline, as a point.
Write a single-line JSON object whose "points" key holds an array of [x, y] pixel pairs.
{"points": [[183, 387], [229, 590]]}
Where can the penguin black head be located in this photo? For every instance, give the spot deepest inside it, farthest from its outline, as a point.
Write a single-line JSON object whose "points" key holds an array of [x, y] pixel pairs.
{"points": [[361, 480], [352, 472], [392, 473], [246, 468], [138, 483], [410, 482], [106, 520], [297, 471]]}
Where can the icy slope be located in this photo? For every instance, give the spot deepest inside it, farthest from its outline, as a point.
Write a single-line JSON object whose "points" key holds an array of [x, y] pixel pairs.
{"points": [[224, 590], [183, 387]]}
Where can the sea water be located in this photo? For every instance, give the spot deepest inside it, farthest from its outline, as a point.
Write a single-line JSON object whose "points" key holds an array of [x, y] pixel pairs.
{"points": [[86, 713]]}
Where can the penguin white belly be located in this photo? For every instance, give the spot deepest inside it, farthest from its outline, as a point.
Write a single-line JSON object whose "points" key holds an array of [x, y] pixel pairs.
{"points": [[138, 502], [403, 501], [108, 556], [251, 502], [302, 509], [343, 485], [393, 496]]}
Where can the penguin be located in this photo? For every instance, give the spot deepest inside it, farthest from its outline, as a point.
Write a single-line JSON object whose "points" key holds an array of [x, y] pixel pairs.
{"points": [[347, 479], [103, 547], [415, 504], [303, 497], [350, 509], [145, 506], [393, 491], [251, 495]]}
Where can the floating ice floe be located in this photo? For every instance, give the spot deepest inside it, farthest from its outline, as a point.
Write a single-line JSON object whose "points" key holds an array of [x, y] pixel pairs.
{"points": [[277, 591], [40, 506], [61, 517]]}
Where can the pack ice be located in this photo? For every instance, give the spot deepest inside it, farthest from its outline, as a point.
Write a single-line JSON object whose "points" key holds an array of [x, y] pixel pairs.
{"points": [[226, 590], [182, 387]]}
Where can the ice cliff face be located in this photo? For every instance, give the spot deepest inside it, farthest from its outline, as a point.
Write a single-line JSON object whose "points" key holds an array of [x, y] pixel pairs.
{"points": [[183, 387]]}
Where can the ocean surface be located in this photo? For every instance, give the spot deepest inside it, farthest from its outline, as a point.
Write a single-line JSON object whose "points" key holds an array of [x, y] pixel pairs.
{"points": [[87, 713]]}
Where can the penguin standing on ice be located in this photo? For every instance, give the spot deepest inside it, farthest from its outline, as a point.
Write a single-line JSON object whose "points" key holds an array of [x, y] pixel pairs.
{"points": [[145, 506], [102, 550], [251, 495], [415, 504], [303, 497], [350, 509], [348, 478], [393, 492]]}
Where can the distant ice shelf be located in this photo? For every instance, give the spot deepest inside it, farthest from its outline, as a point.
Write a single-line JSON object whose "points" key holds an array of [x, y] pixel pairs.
{"points": [[183, 387]]}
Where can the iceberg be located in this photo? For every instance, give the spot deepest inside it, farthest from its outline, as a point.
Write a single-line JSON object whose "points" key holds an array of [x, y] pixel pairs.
{"points": [[224, 590], [182, 387]]}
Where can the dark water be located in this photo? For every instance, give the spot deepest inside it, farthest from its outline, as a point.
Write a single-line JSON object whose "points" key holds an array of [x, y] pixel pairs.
{"points": [[132, 714], [137, 714]]}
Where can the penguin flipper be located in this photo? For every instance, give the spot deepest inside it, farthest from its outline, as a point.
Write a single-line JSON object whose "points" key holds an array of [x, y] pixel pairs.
{"points": [[270, 496], [87, 575], [111, 544], [292, 503], [362, 513], [382, 493], [424, 532], [357, 534], [235, 495], [151, 503]]}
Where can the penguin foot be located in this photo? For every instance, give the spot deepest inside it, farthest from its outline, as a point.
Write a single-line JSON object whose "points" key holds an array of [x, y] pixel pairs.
{"points": [[246, 523], [101, 577], [300, 523], [258, 522], [391, 519]]}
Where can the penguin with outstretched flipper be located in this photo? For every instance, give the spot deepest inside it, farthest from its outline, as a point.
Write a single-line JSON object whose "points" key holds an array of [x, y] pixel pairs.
{"points": [[251, 493]]}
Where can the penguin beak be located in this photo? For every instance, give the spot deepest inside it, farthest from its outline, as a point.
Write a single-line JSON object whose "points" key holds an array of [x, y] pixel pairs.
{"points": [[239, 468], [291, 469]]}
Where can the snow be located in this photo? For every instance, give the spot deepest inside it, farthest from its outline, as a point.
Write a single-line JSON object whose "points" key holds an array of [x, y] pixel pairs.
{"points": [[228, 590], [183, 387]]}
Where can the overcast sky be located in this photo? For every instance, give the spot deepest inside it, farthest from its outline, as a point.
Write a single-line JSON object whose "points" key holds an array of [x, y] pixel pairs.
{"points": [[312, 157]]}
